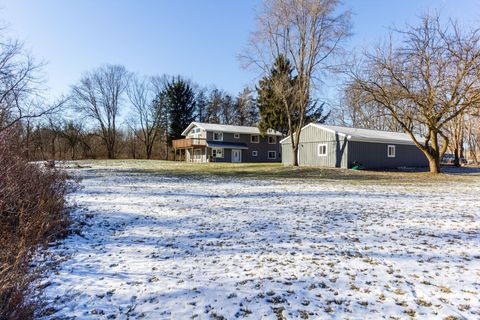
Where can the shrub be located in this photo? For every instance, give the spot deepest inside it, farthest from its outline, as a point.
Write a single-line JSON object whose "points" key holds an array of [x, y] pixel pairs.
{"points": [[32, 214]]}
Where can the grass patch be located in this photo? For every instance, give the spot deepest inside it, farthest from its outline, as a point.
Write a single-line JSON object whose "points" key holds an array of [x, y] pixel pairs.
{"points": [[267, 171]]}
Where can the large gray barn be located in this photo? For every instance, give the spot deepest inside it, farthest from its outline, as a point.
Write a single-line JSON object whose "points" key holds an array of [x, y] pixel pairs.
{"points": [[341, 147]]}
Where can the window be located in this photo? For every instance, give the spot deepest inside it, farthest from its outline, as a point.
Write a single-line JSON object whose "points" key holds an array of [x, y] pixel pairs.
{"points": [[217, 153], [322, 150], [254, 139], [236, 135], [391, 151], [218, 136], [272, 155], [272, 139], [254, 153]]}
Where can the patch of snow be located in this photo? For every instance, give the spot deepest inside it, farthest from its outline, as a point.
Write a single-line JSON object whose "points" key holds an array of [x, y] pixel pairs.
{"points": [[159, 247]]}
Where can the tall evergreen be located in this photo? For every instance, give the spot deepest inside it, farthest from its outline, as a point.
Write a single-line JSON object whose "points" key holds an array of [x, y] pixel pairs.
{"points": [[271, 109], [201, 104], [180, 100]]}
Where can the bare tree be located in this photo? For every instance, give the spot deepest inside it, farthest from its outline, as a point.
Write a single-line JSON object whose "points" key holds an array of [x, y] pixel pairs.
{"points": [[425, 81], [456, 136], [142, 94], [357, 111], [98, 96], [472, 135], [72, 133], [308, 33], [20, 84], [246, 110]]}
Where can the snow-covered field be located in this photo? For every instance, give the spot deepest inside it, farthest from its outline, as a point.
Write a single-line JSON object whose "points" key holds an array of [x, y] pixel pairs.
{"points": [[166, 247]]}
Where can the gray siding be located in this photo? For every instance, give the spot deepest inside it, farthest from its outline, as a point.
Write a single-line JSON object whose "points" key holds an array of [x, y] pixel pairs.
{"points": [[374, 155], [262, 148], [310, 138]]}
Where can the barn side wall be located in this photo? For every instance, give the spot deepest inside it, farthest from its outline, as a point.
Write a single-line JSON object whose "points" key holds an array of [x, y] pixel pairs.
{"points": [[374, 155], [310, 138]]}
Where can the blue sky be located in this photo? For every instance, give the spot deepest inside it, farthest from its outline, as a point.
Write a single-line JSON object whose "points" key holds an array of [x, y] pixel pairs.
{"points": [[197, 39]]}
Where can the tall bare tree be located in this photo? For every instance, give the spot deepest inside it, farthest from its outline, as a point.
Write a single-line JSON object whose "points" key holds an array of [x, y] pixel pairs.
{"points": [[358, 111], [424, 80], [98, 96], [20, 84], [309, 33], [246, 109], [142, 93], [472, 135]]}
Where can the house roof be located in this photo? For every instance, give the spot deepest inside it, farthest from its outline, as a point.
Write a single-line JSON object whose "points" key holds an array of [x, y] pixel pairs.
{"points": [[226, 145], [365, 135], [227, 128]]}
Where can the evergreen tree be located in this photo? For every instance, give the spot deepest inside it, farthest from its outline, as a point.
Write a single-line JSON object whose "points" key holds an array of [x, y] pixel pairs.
{"points": [[180, 101], [271, 109], [201, 103]]}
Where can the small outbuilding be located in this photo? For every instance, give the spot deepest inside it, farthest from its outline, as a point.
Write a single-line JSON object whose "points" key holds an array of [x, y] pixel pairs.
{"points": [[343, 147]]}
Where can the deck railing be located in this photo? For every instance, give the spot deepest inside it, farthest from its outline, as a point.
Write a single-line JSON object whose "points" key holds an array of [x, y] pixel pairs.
{"points": [[189, 143]]}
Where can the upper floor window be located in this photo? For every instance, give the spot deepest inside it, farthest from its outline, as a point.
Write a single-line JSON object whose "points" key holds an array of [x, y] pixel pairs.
{"points": [[218, 136], [236, 135], [391, 151], [272, 139], [254, 138], [322, 150]]}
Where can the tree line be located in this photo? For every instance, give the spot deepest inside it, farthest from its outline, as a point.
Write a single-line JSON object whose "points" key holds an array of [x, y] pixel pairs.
{"points": [[113, 113], [423, 79]]}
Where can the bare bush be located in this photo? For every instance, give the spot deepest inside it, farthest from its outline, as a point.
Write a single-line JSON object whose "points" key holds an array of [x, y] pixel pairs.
{"points": [[32, 214]]}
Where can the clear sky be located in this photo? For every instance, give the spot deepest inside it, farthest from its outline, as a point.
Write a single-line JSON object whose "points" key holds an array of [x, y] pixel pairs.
{"points": [[199, 39]]}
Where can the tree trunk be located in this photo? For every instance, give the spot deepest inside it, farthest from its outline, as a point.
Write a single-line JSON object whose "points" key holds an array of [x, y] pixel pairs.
{"points": [[295, 155], [434, 164], [456, 160]]}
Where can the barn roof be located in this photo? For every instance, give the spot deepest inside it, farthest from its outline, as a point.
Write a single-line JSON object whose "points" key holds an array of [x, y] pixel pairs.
{"points": [[364, 135]]}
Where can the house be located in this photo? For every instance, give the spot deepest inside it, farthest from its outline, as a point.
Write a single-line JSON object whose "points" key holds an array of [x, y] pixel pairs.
{"points": [[343, 147], [207, 142]]}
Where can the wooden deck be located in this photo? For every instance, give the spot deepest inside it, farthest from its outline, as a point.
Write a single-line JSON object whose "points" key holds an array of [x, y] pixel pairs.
{"points": [[189, 143]]}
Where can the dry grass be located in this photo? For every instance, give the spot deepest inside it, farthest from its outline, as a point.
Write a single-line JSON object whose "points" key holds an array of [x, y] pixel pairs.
{"points": [[32, 213], [276, 171]]}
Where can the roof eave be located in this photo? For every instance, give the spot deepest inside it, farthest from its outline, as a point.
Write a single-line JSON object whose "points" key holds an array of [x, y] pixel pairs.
{"points": [[190, 126], [373, 140]]}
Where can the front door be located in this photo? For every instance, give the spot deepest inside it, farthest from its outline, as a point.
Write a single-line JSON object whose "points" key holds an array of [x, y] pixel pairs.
{"points": [[236, 155]]}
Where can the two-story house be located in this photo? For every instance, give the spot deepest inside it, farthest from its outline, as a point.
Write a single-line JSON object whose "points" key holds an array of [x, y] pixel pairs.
{"points": [[207, 142]]}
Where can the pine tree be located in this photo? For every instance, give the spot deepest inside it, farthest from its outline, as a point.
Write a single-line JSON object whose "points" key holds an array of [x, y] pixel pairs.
{"points": [[271, 109], [201, 102], [180, 100]]}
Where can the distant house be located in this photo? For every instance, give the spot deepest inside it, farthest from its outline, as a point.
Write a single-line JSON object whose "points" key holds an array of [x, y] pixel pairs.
{"points": [[343, 147], [207, 142]]}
